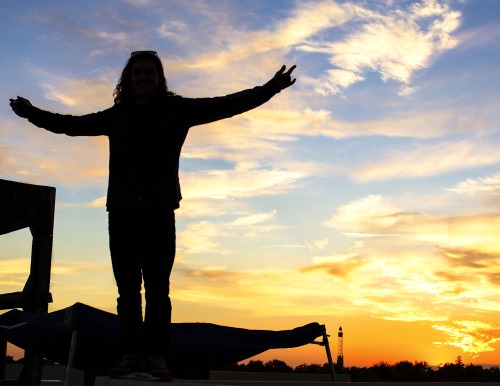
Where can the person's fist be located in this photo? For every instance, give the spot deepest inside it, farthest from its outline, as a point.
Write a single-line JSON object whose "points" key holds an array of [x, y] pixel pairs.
{"points": [[21, 106]]}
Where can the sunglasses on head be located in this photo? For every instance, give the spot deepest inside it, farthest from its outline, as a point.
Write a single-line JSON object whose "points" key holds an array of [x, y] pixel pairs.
{"points": [[135, 53]]}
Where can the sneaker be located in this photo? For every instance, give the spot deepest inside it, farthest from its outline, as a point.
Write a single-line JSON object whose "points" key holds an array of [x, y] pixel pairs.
{"points": [[130, 363], [155, 366]]}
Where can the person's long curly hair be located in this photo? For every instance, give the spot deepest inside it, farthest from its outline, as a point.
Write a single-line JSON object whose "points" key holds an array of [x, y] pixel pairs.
{"points": [[123, 92]]}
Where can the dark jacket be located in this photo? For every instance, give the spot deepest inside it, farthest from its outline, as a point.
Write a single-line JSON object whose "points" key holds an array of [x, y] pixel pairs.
{"points": [[145, 141]]}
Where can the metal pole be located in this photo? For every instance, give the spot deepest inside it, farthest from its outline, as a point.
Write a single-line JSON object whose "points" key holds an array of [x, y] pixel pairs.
{"points": [[3, 357], [328, 353], [72, 350]]}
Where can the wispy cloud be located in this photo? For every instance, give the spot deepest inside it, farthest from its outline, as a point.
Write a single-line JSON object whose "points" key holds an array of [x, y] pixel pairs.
{"points": [[96, 203], [427, 159], [483, 35], [482, 189], [304, 21], [395, 43], [372, 213], [219, 274], [83, 95], [238, 183], [202, 236], [76, 268], [199, 238], [192, 207], [174, 29]]}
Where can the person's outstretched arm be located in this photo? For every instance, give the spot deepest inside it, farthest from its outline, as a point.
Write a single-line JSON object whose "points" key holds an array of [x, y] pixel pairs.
{"points": [[204, 110], [88, 125]]}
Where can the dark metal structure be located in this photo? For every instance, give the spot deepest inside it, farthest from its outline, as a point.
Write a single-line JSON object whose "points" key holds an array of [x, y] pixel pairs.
{"points": [[29, 206]]}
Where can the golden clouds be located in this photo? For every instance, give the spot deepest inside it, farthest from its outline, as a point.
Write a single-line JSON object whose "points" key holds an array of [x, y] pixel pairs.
{"points": [[469, 258], [341, 265], [376, 215], [259, 292], [471, 336], [408, 265]]}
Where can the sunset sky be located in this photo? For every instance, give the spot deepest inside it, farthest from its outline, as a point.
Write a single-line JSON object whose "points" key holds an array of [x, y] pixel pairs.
{"points": [[366, 196]]}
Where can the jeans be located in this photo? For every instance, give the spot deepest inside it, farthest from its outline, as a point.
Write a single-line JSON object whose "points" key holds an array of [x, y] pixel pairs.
{"points": [[142, 246]]}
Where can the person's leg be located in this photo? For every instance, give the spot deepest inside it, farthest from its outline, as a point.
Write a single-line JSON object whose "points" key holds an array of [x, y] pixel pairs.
{"points": [[157, 266], [126, 254]]}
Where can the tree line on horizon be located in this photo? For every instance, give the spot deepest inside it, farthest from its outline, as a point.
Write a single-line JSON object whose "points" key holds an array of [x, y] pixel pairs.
{"points": [[402, 371]]}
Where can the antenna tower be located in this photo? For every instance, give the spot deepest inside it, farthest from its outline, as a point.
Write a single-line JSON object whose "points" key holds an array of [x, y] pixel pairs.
{"points": [[340, 355]]}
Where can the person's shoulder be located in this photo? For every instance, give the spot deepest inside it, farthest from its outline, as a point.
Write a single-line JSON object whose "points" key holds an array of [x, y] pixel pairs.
{"points": [[172, 99], [122, 107]]}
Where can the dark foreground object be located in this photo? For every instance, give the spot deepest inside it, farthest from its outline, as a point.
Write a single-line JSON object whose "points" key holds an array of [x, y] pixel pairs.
{"points": [[195, 349]]}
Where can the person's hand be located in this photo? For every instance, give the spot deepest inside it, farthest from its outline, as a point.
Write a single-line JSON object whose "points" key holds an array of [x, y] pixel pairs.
{"points": [[284, 79], [21, 106]]}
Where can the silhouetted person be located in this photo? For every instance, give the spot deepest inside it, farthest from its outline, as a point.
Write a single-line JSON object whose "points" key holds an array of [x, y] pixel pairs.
{"points": [[146, 127]]}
